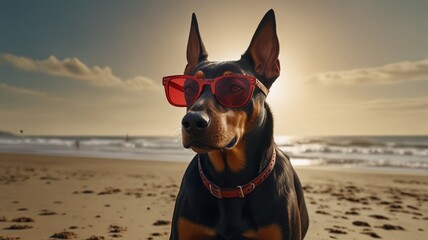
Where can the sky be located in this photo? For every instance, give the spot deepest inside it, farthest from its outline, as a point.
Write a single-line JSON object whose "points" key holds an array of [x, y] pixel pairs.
{"points": [[356, 67]]}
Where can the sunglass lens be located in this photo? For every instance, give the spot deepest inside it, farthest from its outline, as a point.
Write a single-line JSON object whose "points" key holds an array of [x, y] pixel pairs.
{"points": [[191, 91], [233, 91], [183, 91]]}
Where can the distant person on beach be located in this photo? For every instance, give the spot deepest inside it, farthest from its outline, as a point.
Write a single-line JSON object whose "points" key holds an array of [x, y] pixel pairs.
{"points": [[77, 144]]}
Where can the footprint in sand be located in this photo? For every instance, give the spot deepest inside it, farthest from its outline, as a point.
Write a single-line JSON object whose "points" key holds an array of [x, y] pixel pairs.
{"points": [[322, 212], [390, 227], [64, 235], [45, 212], [161, 223], [116, 229], [379, 217], [335, 231], [360, 224], [352, 213], [412, 207], [19, 227], [371, 234], [9, 238], [95, 238], [22, 219], [109, 190]]}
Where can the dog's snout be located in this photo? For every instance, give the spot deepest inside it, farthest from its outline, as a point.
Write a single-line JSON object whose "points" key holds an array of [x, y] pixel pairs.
{"points": [[195, 121]]}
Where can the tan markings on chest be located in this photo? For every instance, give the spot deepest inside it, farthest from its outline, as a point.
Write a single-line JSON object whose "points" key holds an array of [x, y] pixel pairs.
{"points": [[270, 232], [217, 161], [188, 230], [235, 157]]}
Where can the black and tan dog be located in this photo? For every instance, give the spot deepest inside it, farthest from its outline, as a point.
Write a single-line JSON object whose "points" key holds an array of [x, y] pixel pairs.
{"points": [[239, 185]]}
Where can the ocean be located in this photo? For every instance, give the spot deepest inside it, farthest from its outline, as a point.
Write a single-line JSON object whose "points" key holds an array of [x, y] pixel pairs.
{"points": [[392, 152]]}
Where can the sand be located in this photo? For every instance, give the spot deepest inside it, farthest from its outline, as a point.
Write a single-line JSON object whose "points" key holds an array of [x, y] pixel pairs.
{"points": [[49, 197]]}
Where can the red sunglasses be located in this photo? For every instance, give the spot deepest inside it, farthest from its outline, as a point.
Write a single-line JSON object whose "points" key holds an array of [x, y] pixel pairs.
{"points": [[229, 90]]}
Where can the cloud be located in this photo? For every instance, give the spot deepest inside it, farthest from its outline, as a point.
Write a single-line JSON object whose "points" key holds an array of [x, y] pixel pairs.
{"points": [[75, 69], [388, 74], [26, 92], [402, 105]]}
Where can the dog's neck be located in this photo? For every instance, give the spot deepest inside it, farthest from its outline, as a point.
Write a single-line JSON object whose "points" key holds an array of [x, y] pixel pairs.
{"points": [[241, 164]]}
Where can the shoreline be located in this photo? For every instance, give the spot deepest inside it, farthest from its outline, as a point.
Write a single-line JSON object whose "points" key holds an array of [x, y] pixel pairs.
{"points": [[326, 167], [390, 152], [87, 196]]}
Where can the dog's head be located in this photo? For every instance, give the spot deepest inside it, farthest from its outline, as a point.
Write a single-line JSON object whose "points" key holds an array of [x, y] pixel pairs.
{"points": [[209, 125]]}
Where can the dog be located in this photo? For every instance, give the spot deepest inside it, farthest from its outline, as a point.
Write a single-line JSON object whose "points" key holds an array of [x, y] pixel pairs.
{"points": [[239, 185]]}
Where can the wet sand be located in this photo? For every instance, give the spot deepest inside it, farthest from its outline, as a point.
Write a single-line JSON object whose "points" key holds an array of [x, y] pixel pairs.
{"points": [[49, 197]]}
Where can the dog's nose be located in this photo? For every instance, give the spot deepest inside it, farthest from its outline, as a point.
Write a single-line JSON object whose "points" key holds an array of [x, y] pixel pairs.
{"points": [[195, 121]]}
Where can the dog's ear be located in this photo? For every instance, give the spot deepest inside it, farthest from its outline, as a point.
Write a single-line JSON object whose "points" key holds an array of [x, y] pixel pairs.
{"points": [[195, 47], [264, 50]]}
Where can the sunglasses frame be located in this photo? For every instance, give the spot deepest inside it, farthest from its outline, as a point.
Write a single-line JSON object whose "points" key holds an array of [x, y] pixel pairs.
{"points": [[254, 82]]}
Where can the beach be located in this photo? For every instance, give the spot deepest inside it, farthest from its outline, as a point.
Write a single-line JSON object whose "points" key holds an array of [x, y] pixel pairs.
{"points": [[56, 197]]}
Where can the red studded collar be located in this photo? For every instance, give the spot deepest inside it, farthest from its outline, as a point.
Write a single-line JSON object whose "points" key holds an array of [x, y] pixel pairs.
{"points": [[238, 191]]}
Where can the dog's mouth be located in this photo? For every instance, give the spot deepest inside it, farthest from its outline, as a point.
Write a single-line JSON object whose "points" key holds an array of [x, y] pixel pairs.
{"points": [[198, 144], [231, 144], [202, 147]]}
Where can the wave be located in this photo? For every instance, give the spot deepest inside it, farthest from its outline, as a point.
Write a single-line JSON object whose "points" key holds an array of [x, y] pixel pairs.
{"points": [[146, 142], [414, 145], [343, 162], [359, 150]]}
